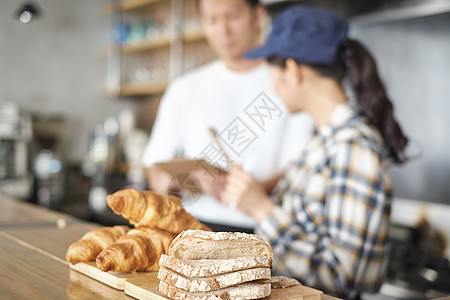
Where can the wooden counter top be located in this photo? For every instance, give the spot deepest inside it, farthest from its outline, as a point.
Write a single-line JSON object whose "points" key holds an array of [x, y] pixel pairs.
{"points": [[17, 212], [48, 238], [32, 255], [28, 274]]}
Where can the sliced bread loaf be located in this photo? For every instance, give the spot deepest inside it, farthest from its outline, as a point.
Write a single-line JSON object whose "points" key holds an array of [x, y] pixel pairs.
{"points": [[211, 267], [253, 290], [216, 282], [200, 244]]}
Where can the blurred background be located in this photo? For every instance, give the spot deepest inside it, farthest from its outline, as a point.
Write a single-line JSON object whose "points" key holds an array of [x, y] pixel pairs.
{"points": [[80, 84]]}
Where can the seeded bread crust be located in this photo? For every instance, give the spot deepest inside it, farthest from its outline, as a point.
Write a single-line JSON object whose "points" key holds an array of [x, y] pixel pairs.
{"points": [[242, 291], [227, 244], [211, 267], [217, 282]]}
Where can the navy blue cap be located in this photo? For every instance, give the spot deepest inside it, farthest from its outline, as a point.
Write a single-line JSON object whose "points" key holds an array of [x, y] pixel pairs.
{"points": [[305, 34]]}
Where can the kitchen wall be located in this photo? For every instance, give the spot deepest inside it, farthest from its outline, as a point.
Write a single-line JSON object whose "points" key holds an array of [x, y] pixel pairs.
{"points": [[414, 62], [57, 64]]}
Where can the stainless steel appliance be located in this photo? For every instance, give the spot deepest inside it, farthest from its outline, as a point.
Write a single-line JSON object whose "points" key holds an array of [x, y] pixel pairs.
{"points": [[102, 166], [48, 162], [418, 268], [15, 136]]}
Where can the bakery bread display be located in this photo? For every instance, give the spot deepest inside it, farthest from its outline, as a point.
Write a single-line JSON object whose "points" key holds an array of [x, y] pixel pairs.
{"points": [[93, 242], [146, 208], [192, 264], [216, 265], [138, 250]]}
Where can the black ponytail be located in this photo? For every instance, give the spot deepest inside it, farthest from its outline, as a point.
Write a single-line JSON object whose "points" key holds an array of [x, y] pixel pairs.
{"points": [[371, 96]]}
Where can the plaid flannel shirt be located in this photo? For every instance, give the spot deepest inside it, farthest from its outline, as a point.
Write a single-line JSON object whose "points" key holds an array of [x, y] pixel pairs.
{"points": [[329, 226]]}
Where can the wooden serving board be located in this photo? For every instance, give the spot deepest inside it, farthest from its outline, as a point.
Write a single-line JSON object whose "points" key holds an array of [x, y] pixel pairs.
{"points": [[299, 292], [80, 284], [146, 287], [113, 279]]}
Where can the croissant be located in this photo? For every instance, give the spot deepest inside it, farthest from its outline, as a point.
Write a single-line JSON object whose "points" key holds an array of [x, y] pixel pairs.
{"points": [[139, 250], [146, 208], [93, 242]]}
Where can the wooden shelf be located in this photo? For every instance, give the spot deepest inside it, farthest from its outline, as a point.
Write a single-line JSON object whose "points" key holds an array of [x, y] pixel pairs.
{"points": [[146, 45], [126, 5], [142, 89], [193, 36], [170, 46]]}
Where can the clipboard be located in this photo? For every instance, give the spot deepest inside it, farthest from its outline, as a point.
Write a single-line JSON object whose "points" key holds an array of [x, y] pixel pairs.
{"points": [[187, 185], [179, 166]]}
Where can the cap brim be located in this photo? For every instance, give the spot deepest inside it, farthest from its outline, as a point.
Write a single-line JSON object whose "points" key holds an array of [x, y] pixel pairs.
{"points": [[260, 52]]}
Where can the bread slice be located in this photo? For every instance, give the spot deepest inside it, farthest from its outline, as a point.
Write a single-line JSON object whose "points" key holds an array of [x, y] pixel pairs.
{"points": [[202, 284], [281, 282], [249, 290], [211, 267], [200, 244]]}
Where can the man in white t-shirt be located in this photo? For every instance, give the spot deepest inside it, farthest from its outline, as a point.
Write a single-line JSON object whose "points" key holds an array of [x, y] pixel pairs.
{"points": [[233, 96]]}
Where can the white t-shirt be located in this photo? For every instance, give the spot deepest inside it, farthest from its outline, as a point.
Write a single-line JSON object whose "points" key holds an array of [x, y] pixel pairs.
{"points": [[251, 122]]}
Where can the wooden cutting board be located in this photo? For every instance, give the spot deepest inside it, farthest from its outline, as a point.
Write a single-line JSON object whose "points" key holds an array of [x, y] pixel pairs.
{"points": [[144, 285], [113, 279]]}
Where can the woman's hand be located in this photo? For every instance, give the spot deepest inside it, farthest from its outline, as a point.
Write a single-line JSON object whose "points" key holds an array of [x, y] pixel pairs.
{"points": [[246, 194]]}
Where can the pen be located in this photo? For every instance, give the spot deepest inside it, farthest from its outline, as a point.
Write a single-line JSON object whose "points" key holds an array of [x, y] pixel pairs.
{"points": [[213, 133]]}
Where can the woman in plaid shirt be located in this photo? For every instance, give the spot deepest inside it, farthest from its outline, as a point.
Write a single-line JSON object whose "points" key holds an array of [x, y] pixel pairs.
{"points": [[327, 218]]}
